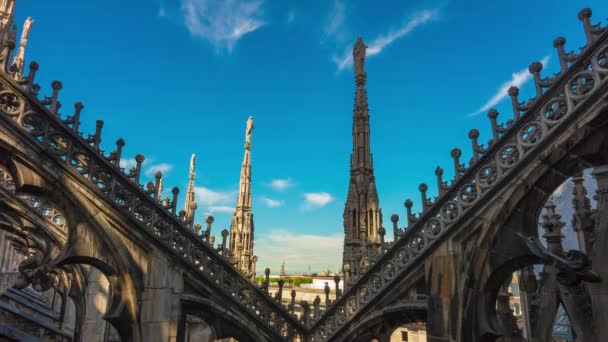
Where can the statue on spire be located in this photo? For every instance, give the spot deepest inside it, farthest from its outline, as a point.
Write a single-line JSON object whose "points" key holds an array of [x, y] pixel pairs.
{"points": [[190, 206], [249, 130], [359, 57]]}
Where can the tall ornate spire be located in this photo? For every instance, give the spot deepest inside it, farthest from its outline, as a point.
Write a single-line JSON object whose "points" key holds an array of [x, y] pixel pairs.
{"points": [[362, 213], [8, 32], [190, 205], [242, 229]]}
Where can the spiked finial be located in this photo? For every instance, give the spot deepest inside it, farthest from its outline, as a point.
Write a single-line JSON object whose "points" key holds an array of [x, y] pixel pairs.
{"points": [[585, 16], [411, 218], [535, 69], [209, 220], [456, 153], [514, 95], [56, 85], [395, 221], [441, 187], [493, 115], [559, 44], [473, 135], [337, 283], [115, 155], [30, 85], [175, 192], [426, 203]]}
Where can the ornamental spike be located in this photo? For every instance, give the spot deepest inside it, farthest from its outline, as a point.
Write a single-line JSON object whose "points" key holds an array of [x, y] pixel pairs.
{"points": [[30, 85], [456, 153], [175, 192], [535, 69], [75, 120], [441, 185], [493, 114], [56, 85], [209, 220], [559, 44], [426, 203], [585, 16], [514, 95], [411, 218], [136, 171], [473, 135], [395, 221], [115, 155]]}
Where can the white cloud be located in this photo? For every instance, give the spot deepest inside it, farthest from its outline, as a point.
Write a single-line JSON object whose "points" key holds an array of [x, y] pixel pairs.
{"points": [[518, 79], [272, 203], [281, 184], [381, 42], [220, 209], [299, 251], [127, 164], [162, 167], [291, 16], [207, 197], [222, 22], [313, 200], [335, 23]]}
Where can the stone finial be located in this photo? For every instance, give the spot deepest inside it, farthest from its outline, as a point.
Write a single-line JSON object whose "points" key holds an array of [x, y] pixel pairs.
{"points": [[175, 192], [316, 307], [75, 120], [456, 153], [514, 95], [493, 115], [117, 154], [224, 237], [559, 44], [327, 290], [426, 203], [441, 186], [411, 218], [281, 283], [292, 305], [337, 280], [54, 107], [474, 135], [585, 16], [209, 220], [535, 69], [395, 221], [305, 313], [30, 85]]}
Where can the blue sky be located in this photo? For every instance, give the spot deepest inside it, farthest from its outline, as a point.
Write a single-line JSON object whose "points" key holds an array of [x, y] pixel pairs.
{"points": [[176, 77]]}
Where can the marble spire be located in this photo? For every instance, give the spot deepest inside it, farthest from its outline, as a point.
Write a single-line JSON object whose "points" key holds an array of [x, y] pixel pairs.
{"points": [[242, 228], [362, 213]]}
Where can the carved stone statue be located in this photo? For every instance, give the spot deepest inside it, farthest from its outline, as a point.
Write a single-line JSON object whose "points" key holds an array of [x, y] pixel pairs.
{"points": [[359, 57], [249, 130]]}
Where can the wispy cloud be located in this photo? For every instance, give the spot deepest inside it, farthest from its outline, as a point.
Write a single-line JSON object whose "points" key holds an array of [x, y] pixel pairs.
{"points": [[164, 168], [281, 184], [381, 42], [299, 251], [518, 79], [215, 201], [314, 200], [334, 27], [222, 22], [291, 17], [272, 203]]}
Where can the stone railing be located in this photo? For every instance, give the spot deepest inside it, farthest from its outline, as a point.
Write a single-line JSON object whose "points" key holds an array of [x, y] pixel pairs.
{"points": [[59, 136], [557, 98]]}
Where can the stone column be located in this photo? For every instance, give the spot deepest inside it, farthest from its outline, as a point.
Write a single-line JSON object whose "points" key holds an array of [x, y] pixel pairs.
{"points": [[94, 326], [161, 300]]}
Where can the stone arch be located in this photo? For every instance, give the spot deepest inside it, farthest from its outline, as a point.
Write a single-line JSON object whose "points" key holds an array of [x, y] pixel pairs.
{"points": [[223, 322], [382, 323], [502, 249]]}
